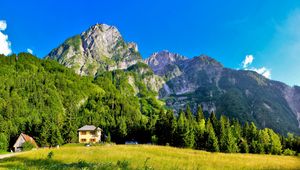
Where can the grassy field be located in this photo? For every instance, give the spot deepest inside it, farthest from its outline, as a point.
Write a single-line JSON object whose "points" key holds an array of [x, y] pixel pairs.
{"points": [[142, 157], [4, 152]]}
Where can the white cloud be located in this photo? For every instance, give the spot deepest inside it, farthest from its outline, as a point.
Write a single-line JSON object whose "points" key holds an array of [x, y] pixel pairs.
{"points": [[262, 70], [29, 50], [4, 43], [248, 61], [2, 25]]}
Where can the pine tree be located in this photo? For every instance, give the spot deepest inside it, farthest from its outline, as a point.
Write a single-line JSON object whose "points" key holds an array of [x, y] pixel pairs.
{"points": [[199, 137], [189, 114], [185, 132], [264, 140], [55, 136], [165, 128], [237, 129], [199, 114], [215, 123], [243, 146], [227, 139], [212, 140], [275, 144], [180, 130], [189, 138], [171, 126], [232, 142], [251, 136], [223, 138]]}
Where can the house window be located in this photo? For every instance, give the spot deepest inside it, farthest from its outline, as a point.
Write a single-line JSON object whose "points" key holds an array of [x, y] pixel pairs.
{"points": [[93, 133], [83, 133], [92, 140], [83, 140]]}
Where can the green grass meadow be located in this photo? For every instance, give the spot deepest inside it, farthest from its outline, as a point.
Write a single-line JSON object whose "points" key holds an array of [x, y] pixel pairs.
{"points": [[142, 157]]}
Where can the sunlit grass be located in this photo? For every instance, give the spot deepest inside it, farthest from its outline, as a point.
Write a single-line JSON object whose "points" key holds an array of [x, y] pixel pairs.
{"points": [[3, 152], [141, 156]]}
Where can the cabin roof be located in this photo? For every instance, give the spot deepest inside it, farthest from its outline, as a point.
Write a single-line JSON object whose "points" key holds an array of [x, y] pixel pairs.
{"points": [[26, 139], [88, 128]]}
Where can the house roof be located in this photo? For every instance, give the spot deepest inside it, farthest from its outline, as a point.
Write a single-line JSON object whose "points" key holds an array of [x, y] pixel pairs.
{"points": [[28, 139], [88, 128]]}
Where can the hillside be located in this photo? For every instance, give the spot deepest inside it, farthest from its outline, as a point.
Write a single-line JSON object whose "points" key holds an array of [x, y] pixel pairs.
{"points": [[143, 157], [50, 102], [240, 94]]}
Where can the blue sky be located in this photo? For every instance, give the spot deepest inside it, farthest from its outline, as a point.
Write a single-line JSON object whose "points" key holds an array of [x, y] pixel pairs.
{"points": [[267, 31]]}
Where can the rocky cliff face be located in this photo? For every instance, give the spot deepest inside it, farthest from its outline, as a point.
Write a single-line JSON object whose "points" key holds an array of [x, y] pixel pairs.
{"points": [[165, 64], [99, 48], [292, 96], [244, 95]]}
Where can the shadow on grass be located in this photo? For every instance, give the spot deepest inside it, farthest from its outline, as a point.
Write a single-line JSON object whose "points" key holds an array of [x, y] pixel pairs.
{"points": [[24, 163]]}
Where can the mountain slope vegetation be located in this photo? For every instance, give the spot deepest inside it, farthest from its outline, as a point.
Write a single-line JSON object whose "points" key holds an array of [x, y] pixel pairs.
{"points": [[50, 102]]}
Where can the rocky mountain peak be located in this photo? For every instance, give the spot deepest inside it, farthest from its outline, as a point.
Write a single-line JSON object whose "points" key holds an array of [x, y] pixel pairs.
{"points": [[99, 48], [161, 62], [163, 58], [205, 59]]}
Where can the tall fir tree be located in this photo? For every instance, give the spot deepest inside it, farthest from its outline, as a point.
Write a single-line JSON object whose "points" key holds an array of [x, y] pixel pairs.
{"points": [[199, 114], [215, 122], [212, 140]]}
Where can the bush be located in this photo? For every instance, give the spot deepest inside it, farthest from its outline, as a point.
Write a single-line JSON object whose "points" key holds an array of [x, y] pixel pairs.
{"points": [[50, 155], [289, 152], [123, 164], [3, 142], [27, 146]]}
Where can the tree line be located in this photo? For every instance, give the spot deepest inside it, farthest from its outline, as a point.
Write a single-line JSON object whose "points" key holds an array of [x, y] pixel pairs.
{"points": [[220, 135], [50, 102]]}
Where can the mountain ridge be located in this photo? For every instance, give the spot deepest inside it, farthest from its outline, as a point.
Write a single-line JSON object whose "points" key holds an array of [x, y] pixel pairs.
{"points": [[181, 81]]}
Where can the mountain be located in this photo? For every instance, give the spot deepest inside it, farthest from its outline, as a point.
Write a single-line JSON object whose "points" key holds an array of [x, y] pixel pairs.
{"points": [[245, 95], [180, 81], [100, 48]]}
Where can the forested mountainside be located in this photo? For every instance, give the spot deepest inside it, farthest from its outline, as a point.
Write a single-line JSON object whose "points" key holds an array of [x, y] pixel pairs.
{"points": [[245, 95], [50, 102]]}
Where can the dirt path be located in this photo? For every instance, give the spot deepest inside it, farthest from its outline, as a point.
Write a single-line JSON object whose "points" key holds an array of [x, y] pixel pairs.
{"points": [[8, 155]]}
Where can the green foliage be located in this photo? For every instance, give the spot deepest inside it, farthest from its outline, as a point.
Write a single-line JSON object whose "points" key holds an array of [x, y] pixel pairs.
{"points": [[3, 142], [165, 127], [275, 143], [212, 140], [50, 102], [50, 155], [199, 114], [27, 146], [289, 152], [244, 148]]}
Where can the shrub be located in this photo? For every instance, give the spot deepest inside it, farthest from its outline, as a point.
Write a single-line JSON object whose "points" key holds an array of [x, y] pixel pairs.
{"points": [[50, 155], [289, 152], [27, 146], [3, 142], [123, 164]]}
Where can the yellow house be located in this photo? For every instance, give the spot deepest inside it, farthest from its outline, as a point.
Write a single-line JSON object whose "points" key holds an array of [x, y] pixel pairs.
{"points": [[89, 134]]}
